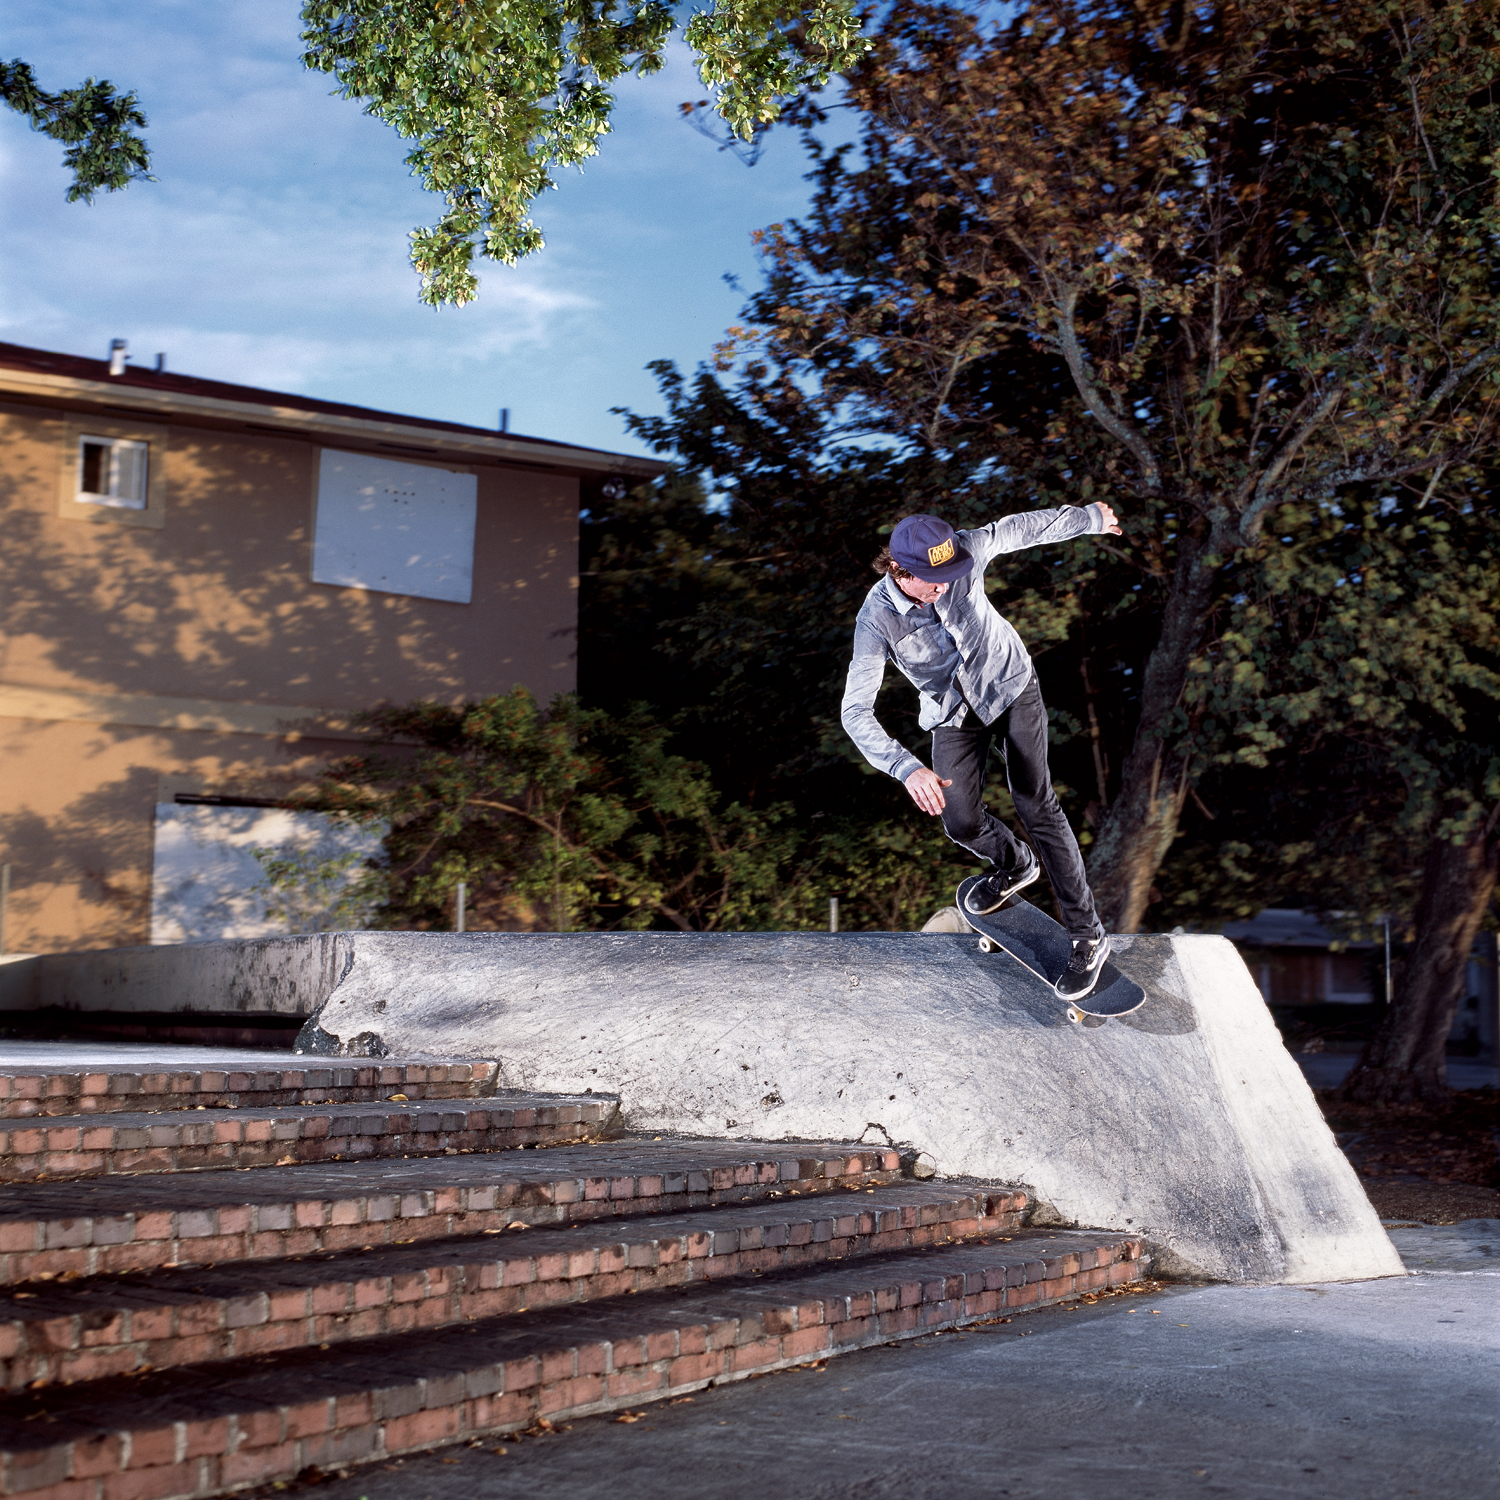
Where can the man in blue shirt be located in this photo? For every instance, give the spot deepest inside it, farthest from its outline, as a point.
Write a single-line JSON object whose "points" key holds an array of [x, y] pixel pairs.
{"points": [[930, 615]]}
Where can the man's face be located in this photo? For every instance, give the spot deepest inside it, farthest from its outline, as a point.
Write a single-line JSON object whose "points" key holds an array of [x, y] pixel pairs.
{"points": [[920, 590]]}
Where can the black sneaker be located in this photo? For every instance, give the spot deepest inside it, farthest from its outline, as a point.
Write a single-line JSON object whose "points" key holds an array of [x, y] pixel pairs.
{"points": [[993, 891], [1083, 970]]}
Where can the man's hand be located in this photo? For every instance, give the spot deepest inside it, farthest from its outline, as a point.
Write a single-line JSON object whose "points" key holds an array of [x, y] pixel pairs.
{"points": [[926, 788], [1111, 525]]}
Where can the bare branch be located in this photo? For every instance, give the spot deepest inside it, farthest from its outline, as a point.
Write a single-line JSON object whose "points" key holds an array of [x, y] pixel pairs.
{"points": [[1117, 427], [1267, 489]]}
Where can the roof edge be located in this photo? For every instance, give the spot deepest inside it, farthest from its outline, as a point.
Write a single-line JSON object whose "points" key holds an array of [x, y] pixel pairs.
{"points": [[533, 453]]}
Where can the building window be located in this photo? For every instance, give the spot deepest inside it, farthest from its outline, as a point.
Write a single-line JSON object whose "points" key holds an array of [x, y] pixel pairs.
{"points": [[397, 527], [112, 471]]}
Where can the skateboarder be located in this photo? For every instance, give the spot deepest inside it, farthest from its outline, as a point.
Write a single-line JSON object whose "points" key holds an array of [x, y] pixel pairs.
{"points": [[929, 614]]}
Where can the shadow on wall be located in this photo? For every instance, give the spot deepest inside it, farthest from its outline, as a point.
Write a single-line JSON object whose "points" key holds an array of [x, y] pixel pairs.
{"points": [[215, 604], [82, 876]]}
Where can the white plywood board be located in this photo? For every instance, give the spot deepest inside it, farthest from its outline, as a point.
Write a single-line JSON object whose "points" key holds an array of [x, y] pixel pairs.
{"points": [[395, 527], [206, 881]]}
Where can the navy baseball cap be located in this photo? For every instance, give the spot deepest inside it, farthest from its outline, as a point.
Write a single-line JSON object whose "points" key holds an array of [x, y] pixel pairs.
{"points": [[928, 549]]}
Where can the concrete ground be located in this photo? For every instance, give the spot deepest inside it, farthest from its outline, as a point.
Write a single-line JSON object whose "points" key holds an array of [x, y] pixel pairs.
{"points": [[1355, 1391]]}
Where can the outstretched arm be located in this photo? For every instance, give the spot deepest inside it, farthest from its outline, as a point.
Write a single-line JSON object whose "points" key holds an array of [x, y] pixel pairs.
{"points": [[1039, 528]]}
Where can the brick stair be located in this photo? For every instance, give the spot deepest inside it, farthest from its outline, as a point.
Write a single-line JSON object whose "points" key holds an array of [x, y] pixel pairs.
{"points": [[201, 1430], [112, 1224], [117, 1143], [30, 1090], [179, 1334], [108, 1325]]}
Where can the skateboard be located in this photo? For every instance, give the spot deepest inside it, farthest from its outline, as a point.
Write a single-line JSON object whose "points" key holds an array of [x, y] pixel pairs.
{"points": [[1043, 949]]}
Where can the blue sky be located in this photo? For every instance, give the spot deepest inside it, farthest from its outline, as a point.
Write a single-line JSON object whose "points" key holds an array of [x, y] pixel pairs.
{"points": [[272, 250]]}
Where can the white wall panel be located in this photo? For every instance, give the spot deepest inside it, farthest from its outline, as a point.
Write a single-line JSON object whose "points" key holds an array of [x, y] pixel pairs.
{"points": [[206, 881], [396, 527]]}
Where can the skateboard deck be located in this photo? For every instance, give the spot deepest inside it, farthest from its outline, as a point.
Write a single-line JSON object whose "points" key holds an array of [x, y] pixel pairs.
{"points": [[1043, 949]]}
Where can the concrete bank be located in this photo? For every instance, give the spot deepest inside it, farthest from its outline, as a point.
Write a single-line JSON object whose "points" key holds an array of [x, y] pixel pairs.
{"points": [[1373, 1391], [1186, 1122]]}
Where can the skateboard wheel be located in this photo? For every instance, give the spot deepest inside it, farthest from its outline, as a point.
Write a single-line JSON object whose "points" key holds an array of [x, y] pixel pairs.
{"points": [[1075, 1015], [986, 945]]}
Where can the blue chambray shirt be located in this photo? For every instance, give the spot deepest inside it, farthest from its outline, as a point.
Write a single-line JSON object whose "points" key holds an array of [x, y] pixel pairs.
{"points": [[958, 653]]}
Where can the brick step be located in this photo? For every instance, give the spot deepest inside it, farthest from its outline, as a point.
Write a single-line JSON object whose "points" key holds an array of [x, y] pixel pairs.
{"points": [[28, 1090], [202, 1139], [110, 1325], [200, 1430], [101, 1225]]}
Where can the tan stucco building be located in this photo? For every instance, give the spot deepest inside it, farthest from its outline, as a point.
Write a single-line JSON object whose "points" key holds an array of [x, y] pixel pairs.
{"points": [[201, 581]]}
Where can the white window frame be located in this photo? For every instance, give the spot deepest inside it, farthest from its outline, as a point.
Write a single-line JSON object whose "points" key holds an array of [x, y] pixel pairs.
{"points": [[127, 471], [74, 503]]}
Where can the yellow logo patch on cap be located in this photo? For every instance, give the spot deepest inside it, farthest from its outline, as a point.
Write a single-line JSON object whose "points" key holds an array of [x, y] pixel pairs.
{"points": [[941, 553]]}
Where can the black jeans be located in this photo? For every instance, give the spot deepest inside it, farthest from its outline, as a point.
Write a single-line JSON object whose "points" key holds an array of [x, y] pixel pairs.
{"points": [[959, 755]]}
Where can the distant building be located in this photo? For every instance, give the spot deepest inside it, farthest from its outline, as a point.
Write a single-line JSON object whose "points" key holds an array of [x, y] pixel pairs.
{"points": [[1296, 960], [200, 582], [1301, 966]]}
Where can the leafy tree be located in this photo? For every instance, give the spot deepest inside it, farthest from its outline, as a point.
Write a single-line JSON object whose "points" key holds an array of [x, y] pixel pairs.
{"points": [[1222, 265], [571, 818], [1372, 643], [313, 890], [95, 123], [496, 96]]}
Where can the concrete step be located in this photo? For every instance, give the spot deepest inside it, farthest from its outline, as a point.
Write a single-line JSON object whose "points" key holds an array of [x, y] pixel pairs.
{"points": [[200, 1430], [108, 1086], [201, 1139], [108, 1325], [103, 1225]]}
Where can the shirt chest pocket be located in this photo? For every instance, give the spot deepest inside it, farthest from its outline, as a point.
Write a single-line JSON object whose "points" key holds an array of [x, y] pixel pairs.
{"points": [[921, 643]]}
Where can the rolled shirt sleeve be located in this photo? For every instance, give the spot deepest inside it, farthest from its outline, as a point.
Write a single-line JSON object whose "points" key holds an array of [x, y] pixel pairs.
{"points": [[866, 672]]}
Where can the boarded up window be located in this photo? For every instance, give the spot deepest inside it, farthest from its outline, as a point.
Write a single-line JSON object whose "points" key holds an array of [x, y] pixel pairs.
{"points": [[398, 528], [210, 880]]}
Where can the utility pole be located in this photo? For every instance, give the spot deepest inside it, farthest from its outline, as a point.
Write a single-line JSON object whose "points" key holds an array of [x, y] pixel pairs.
{"points": [[1389, 992]]}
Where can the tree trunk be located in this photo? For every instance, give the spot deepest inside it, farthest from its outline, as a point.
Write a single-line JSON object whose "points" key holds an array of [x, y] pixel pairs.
{"points": [[1406, 1061], [1142, 822]]}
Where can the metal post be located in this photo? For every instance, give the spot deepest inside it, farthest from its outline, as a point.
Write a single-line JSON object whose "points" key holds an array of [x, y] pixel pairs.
{"points": [[1388, 962], [460, 901], [833, 913], [4, 902]]}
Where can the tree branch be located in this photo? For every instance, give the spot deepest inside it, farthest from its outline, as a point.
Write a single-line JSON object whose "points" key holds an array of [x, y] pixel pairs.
{"points": [[1117, 427], [1267, 489]]}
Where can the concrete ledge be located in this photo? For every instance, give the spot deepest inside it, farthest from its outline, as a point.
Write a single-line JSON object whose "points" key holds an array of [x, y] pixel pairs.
{"points": [[1186, 1122], [280, 976]]}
